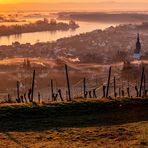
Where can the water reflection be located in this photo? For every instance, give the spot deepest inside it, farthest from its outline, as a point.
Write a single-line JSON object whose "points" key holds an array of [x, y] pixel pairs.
{"points": [[49, 36]]}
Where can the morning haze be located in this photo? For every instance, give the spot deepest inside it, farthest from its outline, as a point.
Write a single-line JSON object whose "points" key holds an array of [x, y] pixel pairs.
{"points": [[73, 74], [95, 5]]}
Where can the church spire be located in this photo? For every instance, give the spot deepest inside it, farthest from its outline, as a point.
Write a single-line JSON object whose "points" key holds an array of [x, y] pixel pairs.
{"points": [[138, 37], [138, 44], [137, 52]]}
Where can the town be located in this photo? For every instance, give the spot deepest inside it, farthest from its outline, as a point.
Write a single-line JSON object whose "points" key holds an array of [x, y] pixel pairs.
{"points": [[86, 54]]}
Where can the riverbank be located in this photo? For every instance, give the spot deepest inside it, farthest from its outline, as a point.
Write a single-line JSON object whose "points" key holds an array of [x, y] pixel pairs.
{"points": [[38, 26]]}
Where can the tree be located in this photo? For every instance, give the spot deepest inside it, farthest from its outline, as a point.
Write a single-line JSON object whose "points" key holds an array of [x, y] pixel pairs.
{"points": [[72, 22], [53, 22]]}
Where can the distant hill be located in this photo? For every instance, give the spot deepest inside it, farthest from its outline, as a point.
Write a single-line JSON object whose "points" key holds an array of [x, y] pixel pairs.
{"points": [[104, 17]]}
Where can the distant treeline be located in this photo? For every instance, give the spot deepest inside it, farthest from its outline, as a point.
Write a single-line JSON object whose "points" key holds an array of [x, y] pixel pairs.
{"points": [[38, 26], [104, 17]]}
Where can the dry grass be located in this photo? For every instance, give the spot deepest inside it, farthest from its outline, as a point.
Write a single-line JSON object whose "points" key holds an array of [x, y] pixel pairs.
{"points": [[78, 124], [132, 135]]}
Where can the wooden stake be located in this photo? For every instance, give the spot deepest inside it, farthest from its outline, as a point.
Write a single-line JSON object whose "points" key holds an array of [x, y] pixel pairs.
{"points": [[51, 83], [108, 84], [18, 90], [144, 84], [68, 83], [128, 92], [141, 83], [84, 86], [104, 90], [115, 87], [119, 92], [33, 82]]}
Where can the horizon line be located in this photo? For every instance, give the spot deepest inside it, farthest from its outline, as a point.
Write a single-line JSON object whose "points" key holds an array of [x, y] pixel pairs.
{"points": [[113, 2]]}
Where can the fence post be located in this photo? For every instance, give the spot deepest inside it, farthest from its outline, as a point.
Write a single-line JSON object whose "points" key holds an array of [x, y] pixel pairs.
{"points": [[39, 97], [84, 86], [33, 81], [18, 91], [104, 90], [141, 83], [51, 83], [108, 84], [128, 91], [144, 84], [115, 94], [68, 83], [119, 92]]}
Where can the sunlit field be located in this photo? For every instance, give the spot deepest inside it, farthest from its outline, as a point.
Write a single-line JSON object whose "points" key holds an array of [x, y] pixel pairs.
{"points": [[73, 74], [87, 123]]}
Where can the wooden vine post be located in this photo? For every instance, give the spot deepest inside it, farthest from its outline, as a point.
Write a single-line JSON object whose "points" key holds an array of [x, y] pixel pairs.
{"points": [[141, 82], [18, 90], [52, 93], [84, 86], [68, 83], [108, 83], [33, 82]]}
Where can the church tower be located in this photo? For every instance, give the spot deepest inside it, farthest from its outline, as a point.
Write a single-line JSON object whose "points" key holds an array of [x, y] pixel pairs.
{"points": [[137, 51]]}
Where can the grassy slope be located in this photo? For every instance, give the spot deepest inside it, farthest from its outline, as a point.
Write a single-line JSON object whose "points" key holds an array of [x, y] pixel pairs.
{"points": [[80, 124]]}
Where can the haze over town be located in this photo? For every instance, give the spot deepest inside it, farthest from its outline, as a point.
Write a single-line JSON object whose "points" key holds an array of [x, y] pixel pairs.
{"points": [[73, 73]]}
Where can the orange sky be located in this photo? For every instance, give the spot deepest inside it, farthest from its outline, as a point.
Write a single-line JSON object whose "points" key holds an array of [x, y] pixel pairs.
{"points": [[87, 5], [69, 1]]}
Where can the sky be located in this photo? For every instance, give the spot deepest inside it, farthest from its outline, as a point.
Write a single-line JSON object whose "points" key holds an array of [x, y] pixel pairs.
{"points": [[70, 1], [75, 5]]}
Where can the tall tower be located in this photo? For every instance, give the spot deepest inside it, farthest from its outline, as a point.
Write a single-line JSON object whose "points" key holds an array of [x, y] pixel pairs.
{"points": [[137, 51]]}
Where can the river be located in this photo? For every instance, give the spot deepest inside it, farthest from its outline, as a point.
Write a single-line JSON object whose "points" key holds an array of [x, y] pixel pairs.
{"points": [[48, 36]]}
